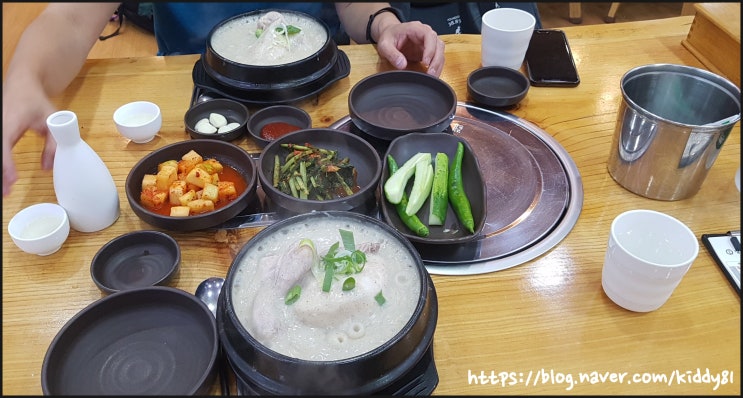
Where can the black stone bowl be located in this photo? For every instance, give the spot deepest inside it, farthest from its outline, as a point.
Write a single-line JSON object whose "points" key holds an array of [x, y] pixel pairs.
{"points": [[267, 372], [225, 152], [389, 104], [256, 77]]}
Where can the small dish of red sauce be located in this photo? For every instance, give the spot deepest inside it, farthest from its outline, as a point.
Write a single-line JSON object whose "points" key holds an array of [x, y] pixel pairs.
{"points": [[276, 121], [274, 130]]}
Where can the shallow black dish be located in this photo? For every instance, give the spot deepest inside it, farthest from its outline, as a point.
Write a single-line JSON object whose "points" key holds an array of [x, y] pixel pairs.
{"points": [[452, 232], [233, 111], [389, 104], [136, 259], [361, 154], [497, 86], [225, 152], [149, 341]]}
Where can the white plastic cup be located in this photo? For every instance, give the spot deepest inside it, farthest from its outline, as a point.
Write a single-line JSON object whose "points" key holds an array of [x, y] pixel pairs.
{"points": [[647, 256], [506, 33]]}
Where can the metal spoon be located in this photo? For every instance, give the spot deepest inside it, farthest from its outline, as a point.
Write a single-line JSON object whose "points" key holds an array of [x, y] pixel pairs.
{"points": [[208, 293]]}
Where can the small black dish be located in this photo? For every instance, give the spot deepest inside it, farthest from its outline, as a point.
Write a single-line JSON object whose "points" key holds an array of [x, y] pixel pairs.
{"points": [[233, 111], [136, 259], [497, 86], [292, 115]]}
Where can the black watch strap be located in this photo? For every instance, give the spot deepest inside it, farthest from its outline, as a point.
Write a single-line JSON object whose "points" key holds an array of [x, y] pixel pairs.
{"points": [[393, 10]]}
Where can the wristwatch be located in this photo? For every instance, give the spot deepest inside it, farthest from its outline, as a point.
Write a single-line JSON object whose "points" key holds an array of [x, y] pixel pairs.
{"points": [[393, 10]]}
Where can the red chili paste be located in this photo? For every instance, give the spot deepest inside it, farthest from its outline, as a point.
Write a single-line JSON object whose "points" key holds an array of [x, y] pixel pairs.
{"points": [[272, 131]]}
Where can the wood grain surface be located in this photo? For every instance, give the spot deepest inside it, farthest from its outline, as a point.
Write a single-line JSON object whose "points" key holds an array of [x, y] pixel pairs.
{"points": [[549, 314]]}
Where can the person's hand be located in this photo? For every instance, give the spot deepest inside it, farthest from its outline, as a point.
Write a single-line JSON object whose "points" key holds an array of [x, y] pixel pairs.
{"points": [[25, 107], [412, 42]]}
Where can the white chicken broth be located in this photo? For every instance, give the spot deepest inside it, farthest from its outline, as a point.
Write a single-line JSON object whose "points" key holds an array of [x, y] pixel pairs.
{"points": [[272, 38], [325, 325]]}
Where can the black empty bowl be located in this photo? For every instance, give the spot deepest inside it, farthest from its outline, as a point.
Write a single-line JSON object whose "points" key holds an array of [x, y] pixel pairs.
{"points": [[136, 259], [288, 114], [452, 232], [390, 104], [149, 341], [233, 111], [497, 86], [360, 153]]}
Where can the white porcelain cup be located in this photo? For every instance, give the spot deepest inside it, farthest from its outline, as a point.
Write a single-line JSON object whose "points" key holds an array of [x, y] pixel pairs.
{"points": [[505, 37], [647, 255]]}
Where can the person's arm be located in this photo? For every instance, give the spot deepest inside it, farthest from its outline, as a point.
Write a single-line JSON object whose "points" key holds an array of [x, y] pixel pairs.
{"points": [[48, 56], [55, 45], [397, 42]]}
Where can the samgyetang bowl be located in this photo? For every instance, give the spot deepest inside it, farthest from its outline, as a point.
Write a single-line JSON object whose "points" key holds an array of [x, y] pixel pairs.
{"points": [[237, 56], [325, 342]]}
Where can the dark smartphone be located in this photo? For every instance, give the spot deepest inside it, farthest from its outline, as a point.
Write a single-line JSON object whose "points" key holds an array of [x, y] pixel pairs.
{"points": [[549, 61]]}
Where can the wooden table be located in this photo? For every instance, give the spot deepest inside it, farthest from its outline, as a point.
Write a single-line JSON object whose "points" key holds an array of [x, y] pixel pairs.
{"points": [[549, 314]]}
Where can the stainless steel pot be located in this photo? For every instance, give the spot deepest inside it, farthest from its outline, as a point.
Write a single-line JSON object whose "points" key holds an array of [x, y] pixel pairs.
{"points": [[671, 125]]}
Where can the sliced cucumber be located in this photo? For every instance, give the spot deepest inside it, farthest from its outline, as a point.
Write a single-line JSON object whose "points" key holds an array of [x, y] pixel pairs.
{"points": [[421, 187], [439, 201], [395, 185]]}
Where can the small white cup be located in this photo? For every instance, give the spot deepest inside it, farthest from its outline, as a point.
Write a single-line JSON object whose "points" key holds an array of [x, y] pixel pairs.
{"points": [[40, 229], [647, 255], [139, 121], [505, 37]]}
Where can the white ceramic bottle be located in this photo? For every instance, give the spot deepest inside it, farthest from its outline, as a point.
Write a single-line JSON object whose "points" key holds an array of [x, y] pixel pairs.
{"points": [[82, 182]]}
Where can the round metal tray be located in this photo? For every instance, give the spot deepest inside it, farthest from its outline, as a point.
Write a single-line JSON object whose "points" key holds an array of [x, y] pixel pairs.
{"points": [[534, 192]]}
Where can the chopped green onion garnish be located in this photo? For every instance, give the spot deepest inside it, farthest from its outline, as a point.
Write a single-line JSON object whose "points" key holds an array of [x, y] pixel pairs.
{"points": [[347, 238], [293, 295], [328, 279], [380, 298], [349, 284]]}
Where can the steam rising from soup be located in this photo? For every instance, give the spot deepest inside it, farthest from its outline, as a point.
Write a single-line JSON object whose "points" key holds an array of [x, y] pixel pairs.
{"points": [[269, 39], [333, 325]]}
